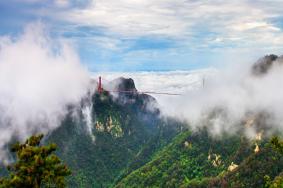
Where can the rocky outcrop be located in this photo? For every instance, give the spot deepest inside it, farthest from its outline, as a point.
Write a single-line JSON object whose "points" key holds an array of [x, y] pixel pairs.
{"points": [[127, 93], [263, 65]]}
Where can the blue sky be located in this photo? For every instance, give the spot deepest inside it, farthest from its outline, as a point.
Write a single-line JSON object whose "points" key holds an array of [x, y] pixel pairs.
{"points": [[135, 35]]}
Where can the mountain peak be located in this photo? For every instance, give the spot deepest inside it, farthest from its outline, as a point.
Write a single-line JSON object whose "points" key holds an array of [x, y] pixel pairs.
{"points": [[125, 84], [264, 64]]}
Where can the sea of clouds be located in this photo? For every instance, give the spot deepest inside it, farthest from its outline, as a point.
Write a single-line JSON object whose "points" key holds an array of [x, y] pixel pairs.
{"points": [[233, 91]]}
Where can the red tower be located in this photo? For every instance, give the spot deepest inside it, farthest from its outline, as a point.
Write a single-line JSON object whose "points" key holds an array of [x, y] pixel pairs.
{"points": [[99, 88]]}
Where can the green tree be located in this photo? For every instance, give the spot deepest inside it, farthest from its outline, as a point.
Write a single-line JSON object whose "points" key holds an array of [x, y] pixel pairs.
{"points": [[277, 144], [36, 166], [278, 180]]}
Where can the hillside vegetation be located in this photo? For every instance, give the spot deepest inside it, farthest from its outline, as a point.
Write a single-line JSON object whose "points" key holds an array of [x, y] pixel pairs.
{"points": [[198, 160]]}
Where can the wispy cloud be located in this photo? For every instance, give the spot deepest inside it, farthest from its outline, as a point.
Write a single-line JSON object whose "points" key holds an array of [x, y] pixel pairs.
{"points": [[120, 26], [176, 18], [190, 26]]}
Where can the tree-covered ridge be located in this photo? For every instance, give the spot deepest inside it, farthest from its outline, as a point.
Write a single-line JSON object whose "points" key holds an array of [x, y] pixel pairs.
{"points": [[190, 157]]}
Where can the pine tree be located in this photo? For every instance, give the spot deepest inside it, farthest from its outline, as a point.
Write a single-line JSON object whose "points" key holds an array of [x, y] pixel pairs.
{"points": [[277, 144], [36, 166]]}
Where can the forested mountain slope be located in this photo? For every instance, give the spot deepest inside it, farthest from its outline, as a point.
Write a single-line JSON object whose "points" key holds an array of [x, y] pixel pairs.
{"points": [[107, 134], [199, 160]]}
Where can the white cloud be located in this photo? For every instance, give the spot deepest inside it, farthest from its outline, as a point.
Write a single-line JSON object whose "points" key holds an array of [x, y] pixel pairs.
{"points": [[129, 17], [167, 17], [62, 3], [28, 1], [39, 77], [254, 25]]}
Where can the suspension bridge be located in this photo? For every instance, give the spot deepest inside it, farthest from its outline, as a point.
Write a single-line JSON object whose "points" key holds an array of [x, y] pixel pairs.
{"points": [[100, 90]]}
